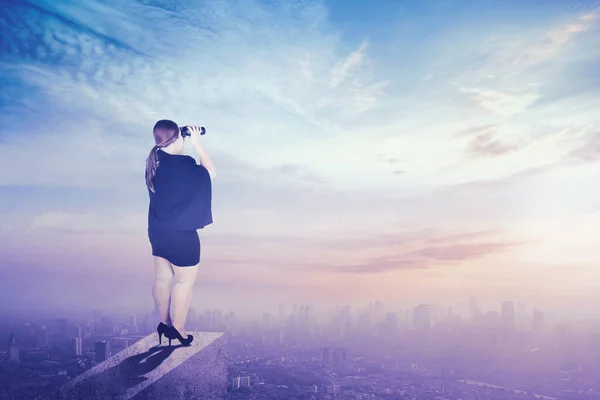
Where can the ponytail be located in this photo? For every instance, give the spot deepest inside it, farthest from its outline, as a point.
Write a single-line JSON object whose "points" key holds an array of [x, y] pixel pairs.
{"points": [[151, 167], [165, 133]]}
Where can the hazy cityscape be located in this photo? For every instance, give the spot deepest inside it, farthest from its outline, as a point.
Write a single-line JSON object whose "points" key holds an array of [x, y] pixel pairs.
{"points": [[376, 352]]}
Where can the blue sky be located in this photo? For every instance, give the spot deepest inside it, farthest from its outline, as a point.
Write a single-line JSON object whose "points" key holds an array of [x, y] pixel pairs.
{"points": [[441, 146]]}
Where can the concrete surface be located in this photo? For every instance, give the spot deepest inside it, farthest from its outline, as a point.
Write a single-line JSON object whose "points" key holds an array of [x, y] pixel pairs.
{"points": [[145, 370]]}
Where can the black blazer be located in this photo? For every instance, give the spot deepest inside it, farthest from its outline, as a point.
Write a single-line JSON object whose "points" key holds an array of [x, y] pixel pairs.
{"points": [[183, 194]]}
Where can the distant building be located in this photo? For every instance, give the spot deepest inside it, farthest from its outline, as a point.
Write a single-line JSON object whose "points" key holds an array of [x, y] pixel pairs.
{"points": [[422, 316], [133, 324], [538, 320], [327, 357], [14, 353], [241, 381], [339, 357], [77, 346], [43, 338], [14, 350], [333, 389], [476, 312], [102, 351], [391, 323], [266, 320]]}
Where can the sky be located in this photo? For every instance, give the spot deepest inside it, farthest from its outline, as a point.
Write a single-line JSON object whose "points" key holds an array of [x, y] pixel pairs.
{"points": [[406, 151]]}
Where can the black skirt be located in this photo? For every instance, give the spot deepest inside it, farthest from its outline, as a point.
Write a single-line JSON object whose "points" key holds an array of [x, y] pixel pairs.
{"points": [[180, 248]]}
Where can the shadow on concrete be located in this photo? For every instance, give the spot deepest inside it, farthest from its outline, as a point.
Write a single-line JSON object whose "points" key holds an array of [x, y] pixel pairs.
{"points": [[116, 380]]}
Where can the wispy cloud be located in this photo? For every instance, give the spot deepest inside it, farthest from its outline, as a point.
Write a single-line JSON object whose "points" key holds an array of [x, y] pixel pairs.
{"points": [[554, 40], [501, 102], [344, 68], [484, 142], [426, 258], [589, 149]]}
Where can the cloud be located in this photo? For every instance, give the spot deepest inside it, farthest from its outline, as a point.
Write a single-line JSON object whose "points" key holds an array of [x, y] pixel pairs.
{"points": [[553, 41], [458, 252], [393, 160], [588, 151], [502, 102], [427, 258], [88, 223], [263, 251], [341, 71], [412, 250], [503, 181], [302, 173], [511, 73], [484, 143]]}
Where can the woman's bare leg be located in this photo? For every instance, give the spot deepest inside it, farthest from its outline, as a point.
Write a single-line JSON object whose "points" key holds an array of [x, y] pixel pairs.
{"points": [[181, 296], [162, 288]]}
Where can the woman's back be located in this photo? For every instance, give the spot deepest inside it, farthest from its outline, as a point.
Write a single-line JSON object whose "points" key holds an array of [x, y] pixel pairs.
{"points": [[182, 194]]}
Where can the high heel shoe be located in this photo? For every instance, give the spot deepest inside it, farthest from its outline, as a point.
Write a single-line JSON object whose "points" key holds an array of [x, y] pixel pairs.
{"points": [[176, 335], [163, 329]]}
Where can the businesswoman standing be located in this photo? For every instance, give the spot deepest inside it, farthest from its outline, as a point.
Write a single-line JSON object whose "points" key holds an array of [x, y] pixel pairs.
{"points": [[180, 194]]}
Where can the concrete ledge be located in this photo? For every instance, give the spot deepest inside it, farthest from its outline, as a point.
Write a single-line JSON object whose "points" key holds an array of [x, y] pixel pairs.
{"points": [[145, 370]]}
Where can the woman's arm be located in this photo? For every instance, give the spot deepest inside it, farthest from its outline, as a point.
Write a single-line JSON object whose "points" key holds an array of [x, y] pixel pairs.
{"points": [[205, 159]]}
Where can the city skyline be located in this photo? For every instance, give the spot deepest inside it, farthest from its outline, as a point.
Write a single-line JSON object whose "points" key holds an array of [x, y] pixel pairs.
{"points": [[403, 152], [371, 351]]}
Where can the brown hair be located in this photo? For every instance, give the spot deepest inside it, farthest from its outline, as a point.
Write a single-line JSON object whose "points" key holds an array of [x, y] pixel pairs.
{"points": [[165, 133]]}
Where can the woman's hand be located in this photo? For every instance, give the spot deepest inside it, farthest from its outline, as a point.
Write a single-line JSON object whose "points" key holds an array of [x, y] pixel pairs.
{"points": [[194, 133]]}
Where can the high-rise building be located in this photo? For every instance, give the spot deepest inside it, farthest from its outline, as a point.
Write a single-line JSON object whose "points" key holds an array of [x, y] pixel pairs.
{"points": [[77, 346], [339, 357], [240, 381], [310, 313], [520, 311], [333, 389], [14, 350], [422, 316], [133, 324], [391, 323], [88, 329], [208, 319], [475, 310], [538, 320], [14, 353], [217, 319], [102, 351], [302, 313], [43, 337], [266, 320], [327, 355]]}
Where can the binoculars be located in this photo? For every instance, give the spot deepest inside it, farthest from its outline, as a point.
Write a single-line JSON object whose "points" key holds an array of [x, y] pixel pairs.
{"points": [[185, 132]]}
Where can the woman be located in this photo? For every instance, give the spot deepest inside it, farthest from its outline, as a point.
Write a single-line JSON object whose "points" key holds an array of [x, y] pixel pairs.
{"points": [[180, 203]]}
